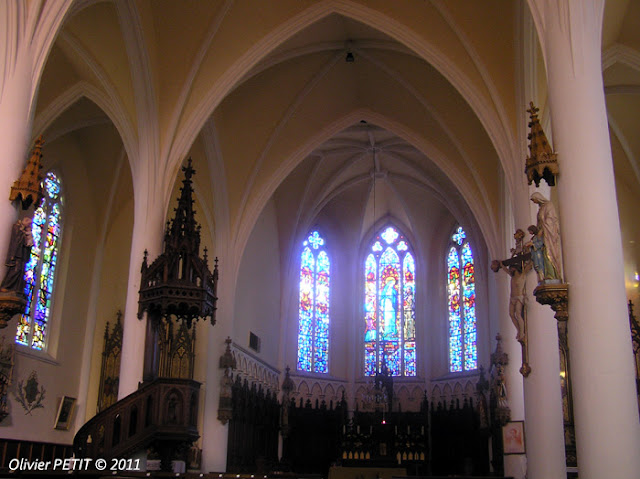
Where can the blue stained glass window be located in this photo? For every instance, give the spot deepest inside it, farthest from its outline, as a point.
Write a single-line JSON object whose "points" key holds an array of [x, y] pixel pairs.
{"points": [[313, 308], [463, 349], [459, 236], [40, 269], [389, 306]]}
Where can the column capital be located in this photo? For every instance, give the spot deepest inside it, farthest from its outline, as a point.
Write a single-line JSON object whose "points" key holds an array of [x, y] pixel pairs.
{"points": [[556, 296]]}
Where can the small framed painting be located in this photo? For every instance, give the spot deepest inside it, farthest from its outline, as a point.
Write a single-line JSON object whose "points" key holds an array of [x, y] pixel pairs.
{"points": [[65, 413], [513, 438]]}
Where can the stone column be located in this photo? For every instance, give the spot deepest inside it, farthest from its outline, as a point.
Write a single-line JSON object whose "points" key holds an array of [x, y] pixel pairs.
{"points": [[544, 428], [514, 465], [214, 433], [605, 405], [15, 136], [148, 229], [544, 433]]}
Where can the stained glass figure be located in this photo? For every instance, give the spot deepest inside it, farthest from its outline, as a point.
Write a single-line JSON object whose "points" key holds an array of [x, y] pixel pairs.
{"points": [[455, 330], [389, 306], [40, 270], [463, 349], [409, 313], [469, 308], [313, 310]]}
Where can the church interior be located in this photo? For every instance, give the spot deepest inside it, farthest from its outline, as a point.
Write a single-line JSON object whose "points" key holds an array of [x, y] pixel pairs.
{"points": [[337, 238]]}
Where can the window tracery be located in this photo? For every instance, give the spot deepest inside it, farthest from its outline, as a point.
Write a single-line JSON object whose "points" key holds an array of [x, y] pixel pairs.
{"points": [[389, 306], [313, 311], [40, 269], [463, 350]]}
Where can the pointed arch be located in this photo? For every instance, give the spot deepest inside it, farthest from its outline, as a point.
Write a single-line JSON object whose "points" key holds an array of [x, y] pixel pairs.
{"points": [[196, 111], [40, 268], [463, 348], [103, 100], [389, 305], [313, 306]]}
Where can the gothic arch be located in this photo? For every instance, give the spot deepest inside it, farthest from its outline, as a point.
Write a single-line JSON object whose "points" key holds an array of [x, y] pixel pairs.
{"points": [[481, 106], [329, 392], [303, 389]]}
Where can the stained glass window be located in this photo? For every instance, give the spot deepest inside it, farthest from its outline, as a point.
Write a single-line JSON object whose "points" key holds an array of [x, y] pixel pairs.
{"points": [[463, 349], [40, 269], [313, 309], [389, 306]]}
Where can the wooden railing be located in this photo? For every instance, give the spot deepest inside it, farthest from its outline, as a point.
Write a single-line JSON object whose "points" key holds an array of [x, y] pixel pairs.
{"points": [[162, 414], [31, 451]]}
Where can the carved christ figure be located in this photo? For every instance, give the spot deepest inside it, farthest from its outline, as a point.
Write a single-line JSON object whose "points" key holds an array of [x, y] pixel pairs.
{"points": [[518, 296]]}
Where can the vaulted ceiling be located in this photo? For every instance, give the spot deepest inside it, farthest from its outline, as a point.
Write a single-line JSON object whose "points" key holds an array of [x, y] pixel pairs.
{"points": [[430, 110]]}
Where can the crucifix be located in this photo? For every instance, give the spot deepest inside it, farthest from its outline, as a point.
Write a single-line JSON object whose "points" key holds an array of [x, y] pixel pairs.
{"points": [[517, 267]]}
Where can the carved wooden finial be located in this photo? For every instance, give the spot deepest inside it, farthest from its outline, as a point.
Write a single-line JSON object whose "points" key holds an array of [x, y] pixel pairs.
{"points": [[227, 360], [542, 162], [28, 188]]}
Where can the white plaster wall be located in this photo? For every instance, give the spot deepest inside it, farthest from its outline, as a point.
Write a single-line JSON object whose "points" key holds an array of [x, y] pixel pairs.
{"points": [[630, 230], [257, 305], [112, 294]]}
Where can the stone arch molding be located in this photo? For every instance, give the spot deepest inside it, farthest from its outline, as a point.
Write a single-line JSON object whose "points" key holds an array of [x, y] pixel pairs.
{"points": [[482, 106], [317, 390], [618, 53], [112, 109], [253, 208], [445, 391], [189, 124], [31, 27], [255, 371]]}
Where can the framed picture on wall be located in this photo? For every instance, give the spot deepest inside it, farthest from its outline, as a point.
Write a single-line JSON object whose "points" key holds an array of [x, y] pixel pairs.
{"points": [[513, 437], [65, 413]]}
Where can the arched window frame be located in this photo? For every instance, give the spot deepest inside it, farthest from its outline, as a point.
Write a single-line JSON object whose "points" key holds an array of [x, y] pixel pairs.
{"points": [[33, 330], [399, 358], [461, 304], [314, 305]]}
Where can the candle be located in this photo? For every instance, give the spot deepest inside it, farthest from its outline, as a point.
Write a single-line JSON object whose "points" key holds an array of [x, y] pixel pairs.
{"points": [[408, 429], [358, 429]]}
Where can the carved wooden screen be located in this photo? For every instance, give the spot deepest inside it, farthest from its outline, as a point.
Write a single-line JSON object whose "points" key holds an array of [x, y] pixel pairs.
{"points": [[459, 444], [110, 370], [313, 442], [635, 340], [177, 350], [253, 429]]}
